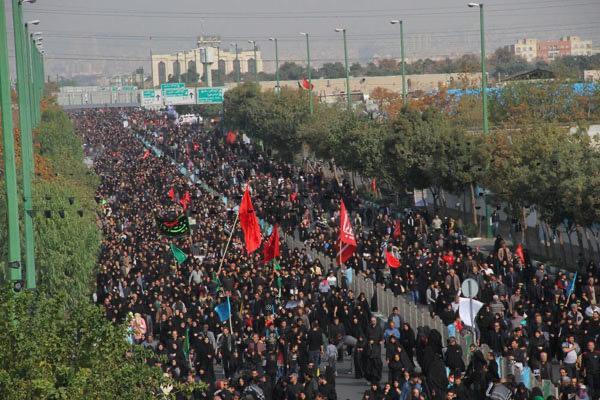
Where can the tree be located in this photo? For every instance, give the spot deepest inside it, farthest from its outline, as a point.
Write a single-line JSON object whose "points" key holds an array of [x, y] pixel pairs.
{"points": [[52, 349], [504, 63], [290, 71], [388, 101], [332, 70]]}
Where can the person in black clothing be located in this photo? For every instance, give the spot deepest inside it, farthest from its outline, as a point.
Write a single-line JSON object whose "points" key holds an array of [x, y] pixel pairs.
{"points": [[453, 356]]}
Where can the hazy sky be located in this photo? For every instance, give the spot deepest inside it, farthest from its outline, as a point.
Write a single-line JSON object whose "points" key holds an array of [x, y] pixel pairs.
{"points": [[120, 33]]}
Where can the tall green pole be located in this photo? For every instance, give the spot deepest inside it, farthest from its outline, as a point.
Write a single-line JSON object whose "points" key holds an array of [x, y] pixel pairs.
{"points": [[10, 171], [277, 88], [32, 78], [237, 66], [253, 42], [310, 87], [219, 65], [402, 60], [403, 66], [483, 73], [348, 94], [23, 82], [484, 101]]}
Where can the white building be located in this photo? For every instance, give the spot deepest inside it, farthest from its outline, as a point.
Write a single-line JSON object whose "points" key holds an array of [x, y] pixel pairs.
{"points": [[207, 55], [579, 47]]}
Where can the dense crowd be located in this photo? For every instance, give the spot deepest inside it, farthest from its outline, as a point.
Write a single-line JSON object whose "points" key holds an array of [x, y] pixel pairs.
{"points": [[290, 325]]}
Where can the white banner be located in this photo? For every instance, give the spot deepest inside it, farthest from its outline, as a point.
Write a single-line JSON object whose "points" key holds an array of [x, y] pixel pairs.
{"points": [[464, 310]]}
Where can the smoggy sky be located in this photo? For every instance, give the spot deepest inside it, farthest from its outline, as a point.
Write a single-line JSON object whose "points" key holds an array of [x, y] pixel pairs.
{"points": [[119, 34]]}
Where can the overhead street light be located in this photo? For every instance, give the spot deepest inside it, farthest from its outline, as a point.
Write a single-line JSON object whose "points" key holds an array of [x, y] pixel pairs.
{"points": [[32, 22], [475, 5]]}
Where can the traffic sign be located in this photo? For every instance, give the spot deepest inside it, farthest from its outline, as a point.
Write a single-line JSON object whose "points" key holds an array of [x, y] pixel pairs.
{"points": [[174, 85], [210, 95], [151, 97], [469, 288], [179, 96]]}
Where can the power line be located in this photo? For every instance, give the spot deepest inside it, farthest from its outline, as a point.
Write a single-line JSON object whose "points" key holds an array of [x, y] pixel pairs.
{"points": [[291, 15]]}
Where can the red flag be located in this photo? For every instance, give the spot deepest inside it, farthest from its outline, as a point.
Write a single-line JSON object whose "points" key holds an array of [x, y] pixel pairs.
{"points": [[271, 248], [293, 196], [196, 147], [392, 261], [397, 229], [249, 223], [374, 185], [347, 245], [171, 194], [231, 137], [185, 200], [146, 154], [519, 253], [305, 84]]}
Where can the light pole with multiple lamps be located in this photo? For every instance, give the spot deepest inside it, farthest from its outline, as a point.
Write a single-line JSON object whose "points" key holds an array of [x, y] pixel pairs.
{"points": [[402, 63], [24, 82]]}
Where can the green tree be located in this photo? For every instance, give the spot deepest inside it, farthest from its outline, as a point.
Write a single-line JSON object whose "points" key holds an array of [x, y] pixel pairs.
{"points": [[332, 70], [291, 71]]}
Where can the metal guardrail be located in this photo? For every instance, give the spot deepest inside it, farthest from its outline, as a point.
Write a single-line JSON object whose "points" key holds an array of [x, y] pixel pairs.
{"points": [[418, 315]]}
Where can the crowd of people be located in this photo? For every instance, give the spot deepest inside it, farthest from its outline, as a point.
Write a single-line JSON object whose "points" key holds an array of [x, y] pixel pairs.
{"points": [[292, 322]]}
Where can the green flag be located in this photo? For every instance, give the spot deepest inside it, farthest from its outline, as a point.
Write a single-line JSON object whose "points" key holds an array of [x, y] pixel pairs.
{"points": [[186, 343], [179, 255], [276, 266], [217, 281]]}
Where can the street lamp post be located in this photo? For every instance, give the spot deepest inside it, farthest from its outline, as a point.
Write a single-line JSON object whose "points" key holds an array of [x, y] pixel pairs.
{"points": [[484, 102], [348, 94], [483, 68], [253, 43], [402, 63], [310, 95], [8, 151], [236, 64], [25, 122], [277, 88]]}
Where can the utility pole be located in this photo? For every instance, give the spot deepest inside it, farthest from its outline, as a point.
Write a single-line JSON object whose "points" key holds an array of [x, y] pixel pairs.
{"points": [[10, 171], [348, 94], [23, 82]]}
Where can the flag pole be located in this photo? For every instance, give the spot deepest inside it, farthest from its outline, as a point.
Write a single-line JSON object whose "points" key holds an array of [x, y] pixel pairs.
{"points": [[228, 242], [230, 315]]}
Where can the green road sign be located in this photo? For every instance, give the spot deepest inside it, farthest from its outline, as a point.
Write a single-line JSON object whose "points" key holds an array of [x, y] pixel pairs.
{"points": [[210, 95], [183, 92], [168, 86], [149, 94]]}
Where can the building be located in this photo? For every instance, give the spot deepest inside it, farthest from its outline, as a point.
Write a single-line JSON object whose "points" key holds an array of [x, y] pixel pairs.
{"points": [[208, 54], [591, 75], [579, 47], [526, 48], [548, 50]]}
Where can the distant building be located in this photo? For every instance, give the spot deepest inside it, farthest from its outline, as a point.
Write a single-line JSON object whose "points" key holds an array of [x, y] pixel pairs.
{"points": [[526, 48], [166, 66], [548, 50], [591, 75]]}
